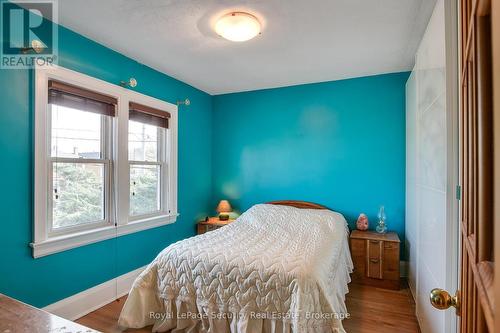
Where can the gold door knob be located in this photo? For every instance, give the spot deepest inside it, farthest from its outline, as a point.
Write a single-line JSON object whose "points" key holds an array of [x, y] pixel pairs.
{"points": [[442, 300]]}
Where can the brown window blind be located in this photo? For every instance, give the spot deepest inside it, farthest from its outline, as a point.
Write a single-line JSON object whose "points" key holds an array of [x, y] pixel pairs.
{"points": [[148, 115], [71, 96]]}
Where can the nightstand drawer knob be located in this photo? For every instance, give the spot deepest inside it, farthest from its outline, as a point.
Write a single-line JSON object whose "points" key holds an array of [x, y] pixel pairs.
{"points": [[374, 261]]}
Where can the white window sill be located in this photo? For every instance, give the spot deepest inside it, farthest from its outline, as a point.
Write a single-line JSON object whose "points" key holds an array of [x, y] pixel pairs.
{"points": [[66, 242]]}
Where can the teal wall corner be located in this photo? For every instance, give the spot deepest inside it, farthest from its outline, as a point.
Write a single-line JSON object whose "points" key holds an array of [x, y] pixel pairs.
{"points": [[45, 280], [339, 143]]}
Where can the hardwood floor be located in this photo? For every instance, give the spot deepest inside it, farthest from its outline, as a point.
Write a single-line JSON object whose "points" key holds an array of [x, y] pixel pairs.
{"points": [[105, 319], [377, 310], [372, 310]]}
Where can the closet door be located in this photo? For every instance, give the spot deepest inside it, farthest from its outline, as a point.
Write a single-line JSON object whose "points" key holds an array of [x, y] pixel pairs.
{"points": [[432, 192], [432, 170]]}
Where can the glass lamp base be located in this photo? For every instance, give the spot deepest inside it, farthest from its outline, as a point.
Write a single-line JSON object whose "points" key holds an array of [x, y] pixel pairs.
{"points": [[381, 228]]}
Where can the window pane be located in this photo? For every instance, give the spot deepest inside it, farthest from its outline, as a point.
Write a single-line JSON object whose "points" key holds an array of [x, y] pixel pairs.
{"points": [[75, 133], [144, 189], [142, 142], [78, 194]]}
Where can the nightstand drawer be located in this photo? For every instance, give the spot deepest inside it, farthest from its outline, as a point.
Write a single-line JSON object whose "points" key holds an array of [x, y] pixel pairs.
{"points": [[391, 261], [358, 253], [202, 228], [391, 245], [374, 249], [374, 259]]}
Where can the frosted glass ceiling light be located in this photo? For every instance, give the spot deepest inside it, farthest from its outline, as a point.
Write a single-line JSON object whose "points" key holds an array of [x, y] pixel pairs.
{"points": [[238, 26]]}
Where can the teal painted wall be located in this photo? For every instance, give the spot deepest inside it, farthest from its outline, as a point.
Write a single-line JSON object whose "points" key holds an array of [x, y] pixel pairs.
{"points": [[340, 143], [49, 279]]}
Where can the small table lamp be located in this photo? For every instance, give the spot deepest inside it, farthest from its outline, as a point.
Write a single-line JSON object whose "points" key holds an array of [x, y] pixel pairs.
{"points": [[224, 208]]}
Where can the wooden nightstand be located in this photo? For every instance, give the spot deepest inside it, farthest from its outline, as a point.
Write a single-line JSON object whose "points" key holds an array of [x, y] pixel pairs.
{"points": [[376, 258], [212, 224]]}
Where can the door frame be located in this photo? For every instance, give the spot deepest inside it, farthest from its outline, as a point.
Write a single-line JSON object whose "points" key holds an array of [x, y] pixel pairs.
{"points": [[452, 172]]}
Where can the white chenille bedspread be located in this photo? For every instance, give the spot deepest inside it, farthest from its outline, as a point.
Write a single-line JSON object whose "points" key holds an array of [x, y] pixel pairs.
{"points": [[275, 269]]}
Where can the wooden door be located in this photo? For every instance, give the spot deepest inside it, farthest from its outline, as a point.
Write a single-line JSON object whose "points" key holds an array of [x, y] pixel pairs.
{"points": [[495, 33], [476, 166]]}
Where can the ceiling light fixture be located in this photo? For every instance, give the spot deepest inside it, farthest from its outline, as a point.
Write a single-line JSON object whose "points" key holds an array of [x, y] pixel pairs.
{"points": [[238, 26]]}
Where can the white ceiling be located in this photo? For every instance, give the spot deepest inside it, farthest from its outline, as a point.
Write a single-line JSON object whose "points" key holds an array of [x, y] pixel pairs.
{"points": [[302, 41]]}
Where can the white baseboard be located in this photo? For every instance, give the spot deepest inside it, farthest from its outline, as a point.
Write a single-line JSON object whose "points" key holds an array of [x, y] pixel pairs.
{"points": [[79, 305]]}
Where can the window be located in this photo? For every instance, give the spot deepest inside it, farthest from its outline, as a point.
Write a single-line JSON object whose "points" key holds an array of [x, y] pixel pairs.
{"points": [[147, 159], [105, 161], [80, 157]]}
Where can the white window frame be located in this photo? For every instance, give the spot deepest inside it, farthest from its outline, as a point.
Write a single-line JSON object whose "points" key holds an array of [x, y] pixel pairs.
{"points": [[105, 160], [46, 242], [162, 162]]}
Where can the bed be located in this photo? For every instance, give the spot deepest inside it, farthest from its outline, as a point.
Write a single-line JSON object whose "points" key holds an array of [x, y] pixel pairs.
{"points": [[280, 267]]}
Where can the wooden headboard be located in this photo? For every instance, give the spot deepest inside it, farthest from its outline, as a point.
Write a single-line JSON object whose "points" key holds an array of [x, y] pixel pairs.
{"points": [[298, 204]]}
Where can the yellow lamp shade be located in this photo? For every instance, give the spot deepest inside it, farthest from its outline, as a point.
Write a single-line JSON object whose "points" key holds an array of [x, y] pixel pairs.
{"points": [[224, 207]]}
